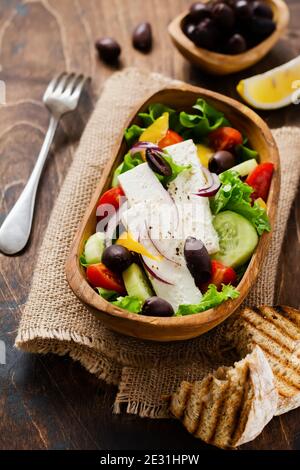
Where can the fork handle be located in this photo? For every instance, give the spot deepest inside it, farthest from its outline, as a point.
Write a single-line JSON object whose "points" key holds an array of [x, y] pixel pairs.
{"points": [[15, 230]]}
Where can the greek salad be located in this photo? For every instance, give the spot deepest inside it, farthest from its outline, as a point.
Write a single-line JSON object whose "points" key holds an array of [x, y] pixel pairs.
{"points": [[187, 205]]}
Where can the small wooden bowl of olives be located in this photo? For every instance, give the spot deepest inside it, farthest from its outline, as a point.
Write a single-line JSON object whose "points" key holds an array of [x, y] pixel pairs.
{"points": [[227, 36]]}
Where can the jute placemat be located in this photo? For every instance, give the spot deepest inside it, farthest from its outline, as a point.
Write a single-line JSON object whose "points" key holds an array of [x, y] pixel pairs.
{"points": [[55, 321]]}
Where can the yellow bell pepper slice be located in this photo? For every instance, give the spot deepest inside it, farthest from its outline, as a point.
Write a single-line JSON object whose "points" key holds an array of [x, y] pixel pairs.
{"points": [[127, 240], [204, 154], [157, 130], [262, 203]]}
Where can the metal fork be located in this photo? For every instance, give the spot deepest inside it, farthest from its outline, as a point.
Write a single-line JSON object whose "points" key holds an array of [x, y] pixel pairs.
{"points": [[61, 96]]}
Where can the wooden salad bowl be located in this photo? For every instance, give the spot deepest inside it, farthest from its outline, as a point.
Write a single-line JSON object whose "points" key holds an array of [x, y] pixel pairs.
{"points": [[223, 64], [175, 328]]}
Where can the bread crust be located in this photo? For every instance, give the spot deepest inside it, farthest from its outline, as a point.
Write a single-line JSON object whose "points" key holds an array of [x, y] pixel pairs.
{"points": [[231, 406], [265, 400], [200, 406], [277, 331]]}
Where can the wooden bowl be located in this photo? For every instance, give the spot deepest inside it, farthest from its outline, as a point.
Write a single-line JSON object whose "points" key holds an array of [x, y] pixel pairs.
{"points": [[221, 64], [175, 328]]}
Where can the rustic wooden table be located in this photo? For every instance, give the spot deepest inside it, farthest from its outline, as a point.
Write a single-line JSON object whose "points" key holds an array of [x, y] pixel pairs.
{"points": [[51, 402]]}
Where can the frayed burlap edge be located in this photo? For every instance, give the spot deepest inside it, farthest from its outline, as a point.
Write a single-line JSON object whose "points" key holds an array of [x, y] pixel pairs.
{"points": [[79, 348]]}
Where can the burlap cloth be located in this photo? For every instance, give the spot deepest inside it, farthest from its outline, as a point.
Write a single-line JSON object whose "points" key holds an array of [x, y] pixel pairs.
{"points": [[55, 321]]}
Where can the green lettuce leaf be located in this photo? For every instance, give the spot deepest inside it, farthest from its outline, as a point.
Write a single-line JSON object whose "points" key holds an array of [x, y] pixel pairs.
{"points": [[198, 125], [107, 294], [130, 161], [130, 303], [117, 172], [245, 153], [132, 134], [212, 114], [255, 214], [176, 170], [232, 190], [82, 261], [212, 298], [189, 125], [234, 195], [206, 120], [155, 111]]}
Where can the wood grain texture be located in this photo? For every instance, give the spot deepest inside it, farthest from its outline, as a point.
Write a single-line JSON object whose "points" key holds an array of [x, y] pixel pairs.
{"points": [[51, 402]]}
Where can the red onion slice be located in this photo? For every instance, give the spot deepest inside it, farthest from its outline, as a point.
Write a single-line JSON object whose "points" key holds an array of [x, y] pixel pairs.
{"points": [[208, 177], [158, 249], [154, 274], [208, 191], [144, 146], [147, 260]]}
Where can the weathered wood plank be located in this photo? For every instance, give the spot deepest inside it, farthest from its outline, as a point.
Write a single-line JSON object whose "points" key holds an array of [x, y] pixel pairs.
{"points": [[50, 402]]}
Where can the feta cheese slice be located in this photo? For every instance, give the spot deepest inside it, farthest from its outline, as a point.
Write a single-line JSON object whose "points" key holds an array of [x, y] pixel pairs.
{"points": [[151, 205], [174, 281], [195, 214], [142, 186]]}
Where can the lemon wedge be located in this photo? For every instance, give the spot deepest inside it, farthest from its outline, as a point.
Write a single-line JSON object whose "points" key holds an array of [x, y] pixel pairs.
{"points": [[156, 131], [274, 89]]}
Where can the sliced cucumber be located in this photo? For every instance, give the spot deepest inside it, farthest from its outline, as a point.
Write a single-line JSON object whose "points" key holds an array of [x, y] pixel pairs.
{"points": [[94, 248], [136, 283], [237, 237], [245, 168]]}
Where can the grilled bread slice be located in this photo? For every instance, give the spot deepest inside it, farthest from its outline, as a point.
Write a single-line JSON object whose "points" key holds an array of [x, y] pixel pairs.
{"points": [[276, 330], [230, 406]]}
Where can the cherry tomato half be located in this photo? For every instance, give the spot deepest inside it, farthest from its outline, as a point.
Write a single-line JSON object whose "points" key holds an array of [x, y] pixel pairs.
{"points": [[112, 196], [99, 275], [225, 138], [220, 274], [260, 180], [170, 138]]}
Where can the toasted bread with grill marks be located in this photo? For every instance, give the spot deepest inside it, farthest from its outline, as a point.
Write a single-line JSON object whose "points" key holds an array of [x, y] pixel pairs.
{"points": [[276, 330], [230, 406]]}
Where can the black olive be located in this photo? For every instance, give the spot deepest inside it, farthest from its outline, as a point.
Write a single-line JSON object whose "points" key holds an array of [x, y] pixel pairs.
{"points": [[205, 34], [221, 161], [189, 30], [158, 163], [157, 307], [142, 37], [262, 27], [232, 3], [199, 11], [108, 49], [243, 9], [223, 15], [236, 44], [117, 258], [263, 10], [197, 260]]}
